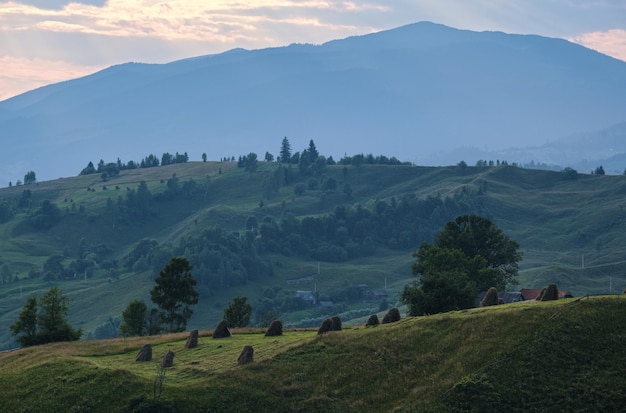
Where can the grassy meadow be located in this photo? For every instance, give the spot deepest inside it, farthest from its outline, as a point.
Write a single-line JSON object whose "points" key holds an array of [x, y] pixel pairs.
{"points": [[532, 356], [570, 232]]}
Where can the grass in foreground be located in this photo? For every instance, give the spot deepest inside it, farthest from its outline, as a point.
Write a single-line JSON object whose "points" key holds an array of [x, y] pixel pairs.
{"points": [[527, 357]]}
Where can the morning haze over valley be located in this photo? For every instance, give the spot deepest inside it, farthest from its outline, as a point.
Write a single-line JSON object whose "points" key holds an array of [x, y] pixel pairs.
{"points": [[421, 218]]}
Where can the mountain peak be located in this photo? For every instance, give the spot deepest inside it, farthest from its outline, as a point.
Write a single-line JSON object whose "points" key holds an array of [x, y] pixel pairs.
{"points": [[411, 92]]}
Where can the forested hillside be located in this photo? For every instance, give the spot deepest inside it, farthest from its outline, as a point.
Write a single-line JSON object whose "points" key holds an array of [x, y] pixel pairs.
{"points": [[262, 229]]}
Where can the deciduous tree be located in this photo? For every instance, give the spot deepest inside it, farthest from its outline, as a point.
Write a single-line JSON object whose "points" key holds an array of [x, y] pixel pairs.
{"points": [[25, 328], [53, 324], [44, 321], [475, 235], [30, 178], [471, 254], [134, 319], [238, 312], [174, 294]]}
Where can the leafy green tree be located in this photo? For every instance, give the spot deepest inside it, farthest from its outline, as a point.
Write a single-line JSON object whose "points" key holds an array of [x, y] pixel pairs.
{"points": [[30, 178], [470, 255], [269, 157], [285, 151], [89, 169], [53, 267], [52, 321], [6, 212], [251, 162], [479, 236], [445, 285], [174, 294], [44, 321], [134, 319], [203, 157], [330, 185], [47, 215], [25, 328], [598, 171], [110, 170], [238, 312]]}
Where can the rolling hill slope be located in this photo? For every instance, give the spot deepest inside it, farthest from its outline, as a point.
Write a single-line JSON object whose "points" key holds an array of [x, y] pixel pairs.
{"points": [[570, 230], [537, 356]]}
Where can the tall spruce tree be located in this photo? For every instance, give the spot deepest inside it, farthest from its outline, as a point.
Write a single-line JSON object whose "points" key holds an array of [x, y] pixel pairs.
{"points": [[285, 151]]}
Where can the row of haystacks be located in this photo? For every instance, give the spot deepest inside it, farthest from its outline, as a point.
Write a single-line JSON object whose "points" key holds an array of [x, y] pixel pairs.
{"points": [[221, 331]]}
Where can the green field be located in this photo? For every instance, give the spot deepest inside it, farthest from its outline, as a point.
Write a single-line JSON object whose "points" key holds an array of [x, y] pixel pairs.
{"points": [[570, 232], [533, 356]]}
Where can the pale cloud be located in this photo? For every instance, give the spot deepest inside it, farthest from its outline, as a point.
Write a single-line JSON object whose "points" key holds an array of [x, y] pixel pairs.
{"points": [[97, 33], [215, 21], [611, 42], [20, 74]]}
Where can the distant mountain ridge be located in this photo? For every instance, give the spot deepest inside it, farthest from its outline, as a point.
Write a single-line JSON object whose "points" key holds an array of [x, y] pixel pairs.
{"points": [[412, 92]]}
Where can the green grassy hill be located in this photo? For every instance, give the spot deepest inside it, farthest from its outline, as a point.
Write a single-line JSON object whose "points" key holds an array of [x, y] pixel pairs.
{"points": [[565, 355], [570, 232]]}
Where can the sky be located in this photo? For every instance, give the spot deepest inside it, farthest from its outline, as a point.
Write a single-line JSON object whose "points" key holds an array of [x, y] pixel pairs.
{"points": [[48, 41]]}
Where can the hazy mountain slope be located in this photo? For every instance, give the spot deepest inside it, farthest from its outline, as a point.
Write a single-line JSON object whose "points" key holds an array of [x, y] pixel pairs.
{"points": [[408, 92]]}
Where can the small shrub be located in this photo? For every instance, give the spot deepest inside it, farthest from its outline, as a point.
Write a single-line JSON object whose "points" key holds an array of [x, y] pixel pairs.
{"points": [[473, 394]]}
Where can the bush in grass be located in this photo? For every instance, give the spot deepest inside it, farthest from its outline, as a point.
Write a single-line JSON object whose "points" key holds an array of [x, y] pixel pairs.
{"points": [[144, 405], [275, 329], [491, 298], [551, 293], [336, 323], [473, 394], [327, 325], [222, 330], [372, 321], [392, 316]]}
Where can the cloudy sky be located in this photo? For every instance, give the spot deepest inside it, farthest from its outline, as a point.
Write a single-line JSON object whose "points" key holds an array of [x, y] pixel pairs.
{"points": [[46, 41]]}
